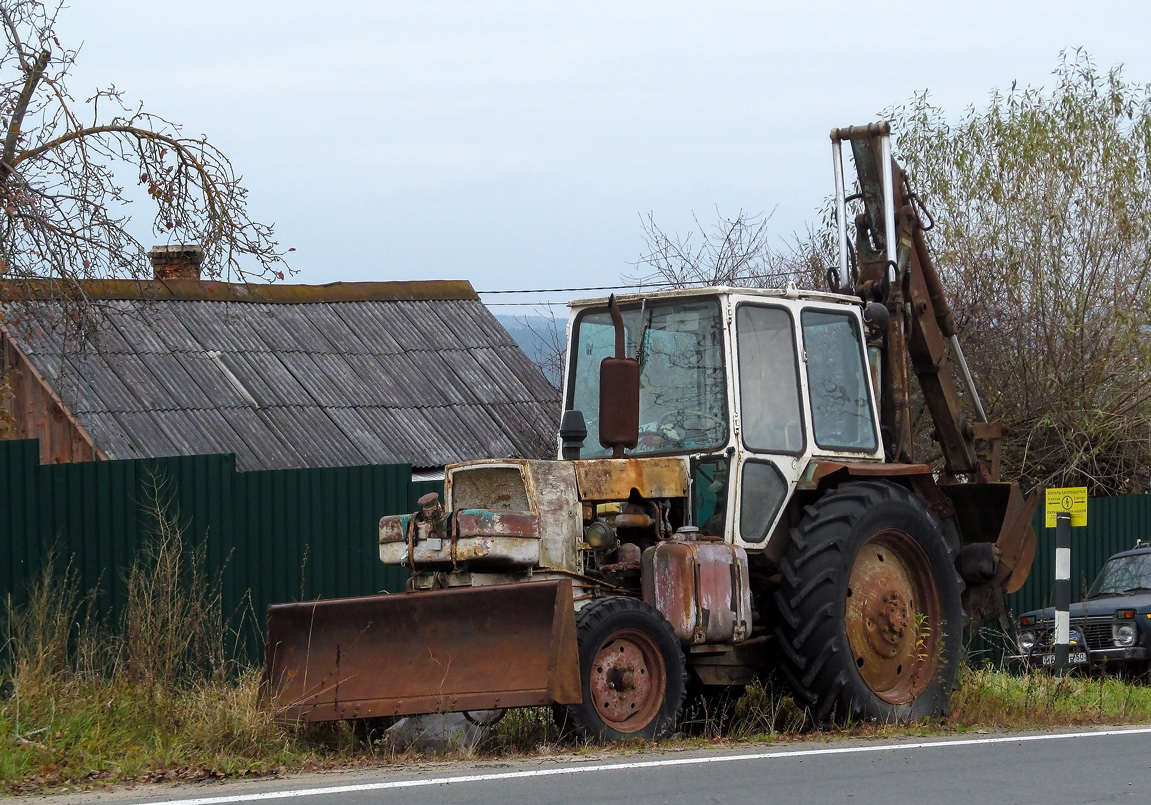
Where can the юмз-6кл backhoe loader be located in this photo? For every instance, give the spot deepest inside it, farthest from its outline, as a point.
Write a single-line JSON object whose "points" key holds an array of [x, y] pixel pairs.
{"points": [[748, 502]]}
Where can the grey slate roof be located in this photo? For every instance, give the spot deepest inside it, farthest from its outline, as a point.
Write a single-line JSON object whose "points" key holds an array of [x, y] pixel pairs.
{"points": [[428, 381]]}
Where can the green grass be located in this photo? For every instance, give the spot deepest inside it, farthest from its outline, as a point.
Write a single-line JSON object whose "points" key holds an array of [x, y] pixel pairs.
{"points": [[990, 698], [96, 730], [90, 732]]}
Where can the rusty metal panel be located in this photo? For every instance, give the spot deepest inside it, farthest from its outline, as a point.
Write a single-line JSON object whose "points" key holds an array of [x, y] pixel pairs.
{"points": [[817, 471], [613, 479], [484, 523], [493, 485], [547, 489], [436, 651], [701, 588], [556, 498]]}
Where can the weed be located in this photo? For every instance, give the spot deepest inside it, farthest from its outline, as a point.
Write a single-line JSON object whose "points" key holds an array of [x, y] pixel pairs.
{"points": [[173, 625], [528, 730]]}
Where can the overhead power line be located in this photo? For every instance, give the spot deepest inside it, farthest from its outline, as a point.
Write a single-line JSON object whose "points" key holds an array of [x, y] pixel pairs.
{"points": [[524, 304], [782, 278], [588, 288]]}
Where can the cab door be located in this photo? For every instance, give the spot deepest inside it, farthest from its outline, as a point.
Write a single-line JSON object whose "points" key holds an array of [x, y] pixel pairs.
{"points": [[772, 429]]}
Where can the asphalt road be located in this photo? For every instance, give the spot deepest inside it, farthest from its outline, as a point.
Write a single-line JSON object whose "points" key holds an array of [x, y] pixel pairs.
{"points": [[1068, 767]]}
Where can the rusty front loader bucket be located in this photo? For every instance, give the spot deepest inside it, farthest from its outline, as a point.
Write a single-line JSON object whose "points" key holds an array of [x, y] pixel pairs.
{"points": [[468, 648]]}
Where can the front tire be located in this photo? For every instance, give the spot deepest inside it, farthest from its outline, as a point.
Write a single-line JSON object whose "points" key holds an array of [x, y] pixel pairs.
{"points": [[871, 617], [631, 669]]}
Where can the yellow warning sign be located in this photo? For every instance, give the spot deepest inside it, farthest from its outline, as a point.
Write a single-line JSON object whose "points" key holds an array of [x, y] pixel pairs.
{"points": [[1068, 499]]}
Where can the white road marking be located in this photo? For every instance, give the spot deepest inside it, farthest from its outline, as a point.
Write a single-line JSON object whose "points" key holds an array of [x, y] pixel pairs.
{"points": [[641, 764]]}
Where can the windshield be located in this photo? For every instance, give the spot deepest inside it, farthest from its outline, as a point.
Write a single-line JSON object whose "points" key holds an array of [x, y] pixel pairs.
{"points": [[1122, 574], [682, 399]]}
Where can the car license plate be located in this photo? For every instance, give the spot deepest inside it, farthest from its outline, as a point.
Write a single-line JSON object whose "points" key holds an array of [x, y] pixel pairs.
{"points": [[1073, 658]]}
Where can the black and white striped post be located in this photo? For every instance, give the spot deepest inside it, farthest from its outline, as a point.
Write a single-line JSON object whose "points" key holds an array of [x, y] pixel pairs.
{"points": [[1062, 590]]}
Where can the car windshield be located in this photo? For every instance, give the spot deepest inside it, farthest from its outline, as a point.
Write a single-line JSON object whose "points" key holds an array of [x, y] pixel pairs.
{"points": [[682, 399], [1123, 574]]}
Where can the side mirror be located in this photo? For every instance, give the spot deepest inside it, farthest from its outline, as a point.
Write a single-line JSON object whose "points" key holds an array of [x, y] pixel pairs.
{"points": [[619, 404], [618, 393]]}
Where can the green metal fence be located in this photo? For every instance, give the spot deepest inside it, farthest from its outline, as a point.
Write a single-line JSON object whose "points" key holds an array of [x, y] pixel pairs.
{"points": [[276, 535]]}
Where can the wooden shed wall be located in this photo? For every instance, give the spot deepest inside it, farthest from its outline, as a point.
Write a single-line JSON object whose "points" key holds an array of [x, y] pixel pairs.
{"points": [[38, 413]]}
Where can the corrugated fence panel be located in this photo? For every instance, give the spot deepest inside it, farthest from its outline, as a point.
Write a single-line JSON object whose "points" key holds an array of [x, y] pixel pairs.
{"points": [[272, 536], [18, 498]]}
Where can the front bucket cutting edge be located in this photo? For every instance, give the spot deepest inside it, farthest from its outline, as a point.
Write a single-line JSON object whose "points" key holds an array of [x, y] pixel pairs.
{"points": [[467, 648]]}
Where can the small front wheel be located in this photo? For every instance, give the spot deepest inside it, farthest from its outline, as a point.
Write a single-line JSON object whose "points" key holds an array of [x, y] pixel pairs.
{"points": [[631, 669]]}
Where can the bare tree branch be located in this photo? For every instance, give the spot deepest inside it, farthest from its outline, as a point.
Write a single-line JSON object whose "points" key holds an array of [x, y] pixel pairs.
{"points": [[64, 205], [733, 251]]}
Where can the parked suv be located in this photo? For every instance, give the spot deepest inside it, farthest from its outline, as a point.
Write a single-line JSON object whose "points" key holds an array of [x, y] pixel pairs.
{"points": [[1110, 629]]}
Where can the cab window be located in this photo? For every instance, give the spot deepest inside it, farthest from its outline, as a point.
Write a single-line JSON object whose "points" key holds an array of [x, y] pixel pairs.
{"points": [[841, 413], [768, 380]]}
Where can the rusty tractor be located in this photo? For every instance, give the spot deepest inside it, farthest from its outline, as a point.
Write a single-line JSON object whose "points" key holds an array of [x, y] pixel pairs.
{"points": [[735, 495]]}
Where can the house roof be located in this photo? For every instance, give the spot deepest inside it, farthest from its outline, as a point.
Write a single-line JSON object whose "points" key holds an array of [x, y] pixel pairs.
{"points": [[289, 375]]}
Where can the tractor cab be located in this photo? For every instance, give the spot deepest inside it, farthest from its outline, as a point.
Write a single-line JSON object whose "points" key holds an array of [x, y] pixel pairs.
{"points": [[749, 384]]}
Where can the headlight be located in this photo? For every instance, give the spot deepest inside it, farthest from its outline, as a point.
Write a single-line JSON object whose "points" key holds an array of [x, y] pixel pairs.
{"points": [[600, 536], [1125, 635], [1026, 641]]}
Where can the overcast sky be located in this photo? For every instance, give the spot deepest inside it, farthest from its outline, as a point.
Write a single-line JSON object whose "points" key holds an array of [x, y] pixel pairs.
{"points": [[516, 144]]}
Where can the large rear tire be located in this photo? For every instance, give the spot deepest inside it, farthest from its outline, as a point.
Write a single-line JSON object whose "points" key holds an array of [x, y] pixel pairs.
{"points": [[632, 672], [871, 617]]}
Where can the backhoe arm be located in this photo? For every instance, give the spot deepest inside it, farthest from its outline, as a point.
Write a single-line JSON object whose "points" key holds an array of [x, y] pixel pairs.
{"points": [[921, 334]]}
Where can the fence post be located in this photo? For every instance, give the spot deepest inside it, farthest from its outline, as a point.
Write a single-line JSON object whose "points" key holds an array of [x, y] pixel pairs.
{"points": [[1062, 590]]}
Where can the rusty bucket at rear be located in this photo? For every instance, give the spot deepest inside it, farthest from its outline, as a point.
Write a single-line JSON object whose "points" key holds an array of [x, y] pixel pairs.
{"points": [[470, 648]]}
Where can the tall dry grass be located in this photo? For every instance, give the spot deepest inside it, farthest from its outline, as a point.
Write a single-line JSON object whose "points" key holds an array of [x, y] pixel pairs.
{"points": [[173, 629]]}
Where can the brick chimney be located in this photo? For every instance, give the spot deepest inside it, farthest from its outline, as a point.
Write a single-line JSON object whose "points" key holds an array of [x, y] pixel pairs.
{"points": [[177, 261]]}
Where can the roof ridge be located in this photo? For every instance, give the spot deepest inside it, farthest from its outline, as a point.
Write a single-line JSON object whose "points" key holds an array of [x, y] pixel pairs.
{"points": [[269, 293]]}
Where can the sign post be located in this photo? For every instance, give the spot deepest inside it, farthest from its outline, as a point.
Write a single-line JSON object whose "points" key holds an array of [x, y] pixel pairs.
{"points": [[1066, 507]]}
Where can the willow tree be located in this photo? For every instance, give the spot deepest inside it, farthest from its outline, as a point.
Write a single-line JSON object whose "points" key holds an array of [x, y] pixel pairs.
{"points": [[69, 170], [1042, 204]]}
